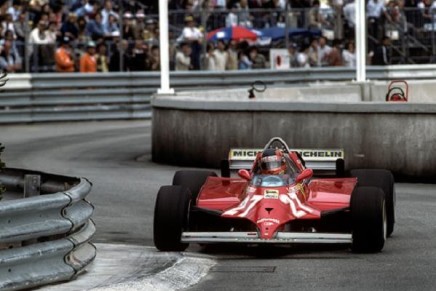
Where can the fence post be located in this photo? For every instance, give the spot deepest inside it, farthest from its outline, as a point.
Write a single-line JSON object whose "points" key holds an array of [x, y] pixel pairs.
{"points": [[32, 185]]}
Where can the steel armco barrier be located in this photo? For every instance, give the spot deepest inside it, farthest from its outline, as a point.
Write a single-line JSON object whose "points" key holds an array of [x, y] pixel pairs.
{"points": [[98, 96], [44, 238]]}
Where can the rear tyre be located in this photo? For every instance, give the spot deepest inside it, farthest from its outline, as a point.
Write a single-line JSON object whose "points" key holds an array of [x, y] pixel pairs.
{"points": [[193, 180], [171, 215], [382, 179], [369, 219]]}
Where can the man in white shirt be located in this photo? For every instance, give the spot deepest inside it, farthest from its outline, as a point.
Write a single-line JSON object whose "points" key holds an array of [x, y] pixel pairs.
{"points": [[375, 9], [323, 52], [193, 36], [183, 58], [221, 56]]}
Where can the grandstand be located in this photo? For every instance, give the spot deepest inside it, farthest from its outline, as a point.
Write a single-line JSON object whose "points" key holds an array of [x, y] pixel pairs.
{"points": [[36, 34]]}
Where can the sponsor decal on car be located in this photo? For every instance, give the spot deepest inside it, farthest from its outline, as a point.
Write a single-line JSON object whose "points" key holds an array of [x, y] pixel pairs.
{"points": [[268, 221], [271, 194], [307, 154]]}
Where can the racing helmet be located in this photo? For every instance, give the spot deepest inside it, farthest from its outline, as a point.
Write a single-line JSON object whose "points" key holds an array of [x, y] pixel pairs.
{"points": [[272, 162]]}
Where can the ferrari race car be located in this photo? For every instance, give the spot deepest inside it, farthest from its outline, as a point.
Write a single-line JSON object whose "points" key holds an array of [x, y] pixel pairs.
{"points": [[276, 200]]}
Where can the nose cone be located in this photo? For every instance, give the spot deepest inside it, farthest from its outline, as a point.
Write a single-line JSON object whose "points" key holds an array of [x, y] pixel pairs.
{"points": [[270, 217]]}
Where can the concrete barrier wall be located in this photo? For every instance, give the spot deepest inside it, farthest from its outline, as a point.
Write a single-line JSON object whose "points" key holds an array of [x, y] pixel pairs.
{"points": [[399, 137]]}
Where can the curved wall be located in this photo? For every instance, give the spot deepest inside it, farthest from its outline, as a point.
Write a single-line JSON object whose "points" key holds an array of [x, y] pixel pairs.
{"points": [[199, 131]]}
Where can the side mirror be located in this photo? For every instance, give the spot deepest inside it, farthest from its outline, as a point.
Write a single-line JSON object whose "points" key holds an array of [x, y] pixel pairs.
{"points": [[306, 174], [244, 174]]}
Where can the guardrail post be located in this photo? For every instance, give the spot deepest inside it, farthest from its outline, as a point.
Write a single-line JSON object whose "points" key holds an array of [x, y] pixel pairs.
{"points": [[32, 185]]}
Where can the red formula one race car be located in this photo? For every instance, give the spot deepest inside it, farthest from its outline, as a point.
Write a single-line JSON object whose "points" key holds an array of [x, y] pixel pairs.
{"points": [[276, 201]]}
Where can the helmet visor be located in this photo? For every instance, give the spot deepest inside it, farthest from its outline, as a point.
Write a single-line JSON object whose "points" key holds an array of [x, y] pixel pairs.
{"points": [[271, 163]]}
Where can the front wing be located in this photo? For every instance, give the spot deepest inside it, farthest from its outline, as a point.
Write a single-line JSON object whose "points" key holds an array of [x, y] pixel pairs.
{"points": [[253, 237]]}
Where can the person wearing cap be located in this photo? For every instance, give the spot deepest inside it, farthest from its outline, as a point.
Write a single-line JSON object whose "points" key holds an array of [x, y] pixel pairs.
{"points": [[128, 26], [194, 37], [88, 62], [63, 57]]}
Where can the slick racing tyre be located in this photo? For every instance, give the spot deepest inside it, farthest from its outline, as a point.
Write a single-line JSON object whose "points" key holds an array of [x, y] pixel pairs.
{"points": [[382, 179], [171, 215], [193, 180], [369, 219]]}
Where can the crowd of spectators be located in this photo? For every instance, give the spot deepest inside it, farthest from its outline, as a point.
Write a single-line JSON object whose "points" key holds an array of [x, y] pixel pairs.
{"points": [[123, 35]]}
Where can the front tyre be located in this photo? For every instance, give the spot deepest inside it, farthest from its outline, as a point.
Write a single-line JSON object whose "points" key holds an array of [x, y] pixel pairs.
{"points": [[193, 180], [369, 219], [171, 215], [382, 179]]}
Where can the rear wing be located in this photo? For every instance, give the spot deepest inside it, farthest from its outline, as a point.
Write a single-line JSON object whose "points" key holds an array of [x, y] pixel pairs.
{"points": [[321, 160]]}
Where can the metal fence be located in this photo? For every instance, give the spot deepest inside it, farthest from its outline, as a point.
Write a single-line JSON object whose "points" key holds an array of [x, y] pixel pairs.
{"points": [[43, 238], [70, 97]]}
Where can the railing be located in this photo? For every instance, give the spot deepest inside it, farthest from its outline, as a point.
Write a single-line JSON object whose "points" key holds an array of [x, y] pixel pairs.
{"points": [[43, 238], [70, 97]]}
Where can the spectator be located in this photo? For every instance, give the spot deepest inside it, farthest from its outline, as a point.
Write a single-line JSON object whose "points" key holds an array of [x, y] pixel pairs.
{"points": [[69, 28], [427, 8], [139, 56], [82, 35], [106, 11], [120, 53], [258, 60], [245, 18], [303, 57], [381, 55], [313, 53], [88, 62], [102, 59], [335, 56], [316, 19], [8, 24], [244, 61], [154, 58], [323, 51], [221, 56], [10, 61], [38, 36], [140, 24], [128, 26], [64, 57], [232, 50], [95, 28], [86, 8], [149, 33], [183, 57], [209, 59], [349, 55], [232, 17], [21, 27], [112, 28], [192, 35], [293, 52], [349, 12], [15, 9], [375, 10]]}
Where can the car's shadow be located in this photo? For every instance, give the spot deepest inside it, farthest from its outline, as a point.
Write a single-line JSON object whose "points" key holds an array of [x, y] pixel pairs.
{"points": [[312, 251]]}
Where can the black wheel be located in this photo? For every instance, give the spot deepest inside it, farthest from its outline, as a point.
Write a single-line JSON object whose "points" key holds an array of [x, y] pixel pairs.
{"points": [[193, 180], [382, 179], [369, 219], [171, 215]]}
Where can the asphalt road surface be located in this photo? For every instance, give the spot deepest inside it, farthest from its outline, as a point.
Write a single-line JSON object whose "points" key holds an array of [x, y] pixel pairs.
{"points": [[115, 156]]}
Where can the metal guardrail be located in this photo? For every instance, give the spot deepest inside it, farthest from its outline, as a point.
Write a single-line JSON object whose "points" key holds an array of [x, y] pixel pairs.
{"points": [[45, 238], [100, 96]]}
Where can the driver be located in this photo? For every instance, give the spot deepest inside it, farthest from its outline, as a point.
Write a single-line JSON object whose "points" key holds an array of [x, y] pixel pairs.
{"points": [[272, 162]]}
